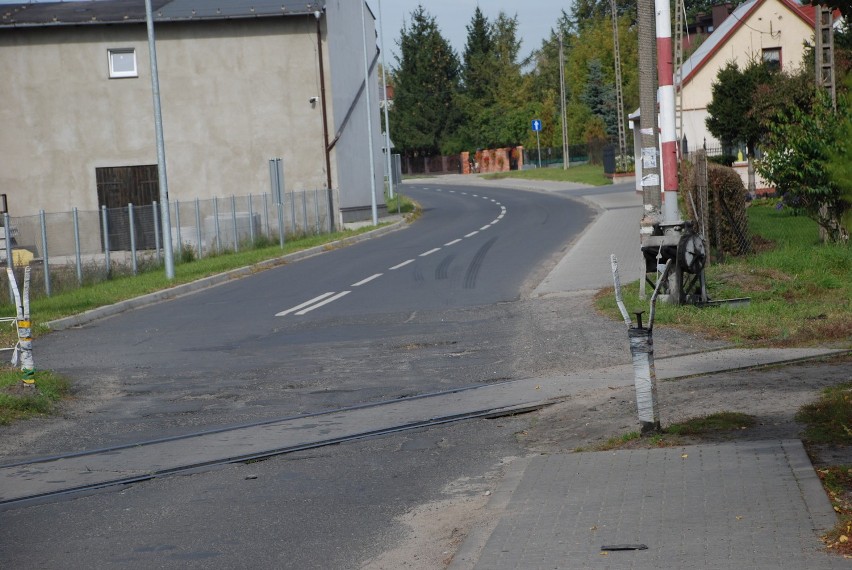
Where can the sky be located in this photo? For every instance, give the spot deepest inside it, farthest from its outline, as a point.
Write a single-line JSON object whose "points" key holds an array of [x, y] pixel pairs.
{"points": [[535, 19]]}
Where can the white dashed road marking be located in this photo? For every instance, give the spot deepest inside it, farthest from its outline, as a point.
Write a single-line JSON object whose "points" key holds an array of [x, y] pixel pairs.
{"points": [[367, 280], [455, 241], [430, 252], [403, 264], [305, 304], [326, 302]]}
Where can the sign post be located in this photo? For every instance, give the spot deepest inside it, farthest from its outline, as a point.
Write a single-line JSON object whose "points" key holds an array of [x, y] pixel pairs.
{"points": [[536, 126]]}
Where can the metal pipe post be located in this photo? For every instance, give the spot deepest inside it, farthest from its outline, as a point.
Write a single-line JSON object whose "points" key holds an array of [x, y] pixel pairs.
{"points": [[132, 225], [161, 148], [373, 205], [251, 220], [44, 254], [177, 227], [105, 225], [198, 245], [234, 222], [216, 224], [77, 247], [156, 212], [10, 261]]}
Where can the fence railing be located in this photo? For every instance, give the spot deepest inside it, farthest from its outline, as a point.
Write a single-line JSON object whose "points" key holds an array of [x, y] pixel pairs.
{"points": [[70, 249]]}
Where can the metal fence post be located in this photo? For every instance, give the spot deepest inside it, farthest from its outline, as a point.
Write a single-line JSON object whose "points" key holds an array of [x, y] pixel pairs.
{"points": [[305, 211], [251, 221], [198, 227], [216, 221], [44, 255], [292, 209], [234, 222], [156, 230], [105, 225], [316, 209], [132, 238], [10, 261], [177, 221], [266, 215], [77, 247]]}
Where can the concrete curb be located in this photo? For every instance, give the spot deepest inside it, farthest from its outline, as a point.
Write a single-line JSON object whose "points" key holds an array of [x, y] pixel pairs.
{"points": [[207, 282], [813, 494]]}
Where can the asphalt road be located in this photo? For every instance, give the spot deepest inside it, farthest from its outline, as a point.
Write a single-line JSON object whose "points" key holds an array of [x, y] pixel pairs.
{"points": [[432, 307], [425, 309]]}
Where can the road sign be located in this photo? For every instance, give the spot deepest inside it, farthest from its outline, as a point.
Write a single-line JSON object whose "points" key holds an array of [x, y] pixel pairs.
{"points": [[536, 125]]}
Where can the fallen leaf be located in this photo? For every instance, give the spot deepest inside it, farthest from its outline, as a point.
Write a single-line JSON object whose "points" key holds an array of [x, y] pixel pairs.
{"points": [[594, 528], [538, 387], [843, 538], [684, 456], [604, 553], [837, 509], [739, 517]]}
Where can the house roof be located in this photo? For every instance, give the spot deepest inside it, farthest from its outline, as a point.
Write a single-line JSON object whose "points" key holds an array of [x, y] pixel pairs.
{"points": [[89, 12], [729, 27]]}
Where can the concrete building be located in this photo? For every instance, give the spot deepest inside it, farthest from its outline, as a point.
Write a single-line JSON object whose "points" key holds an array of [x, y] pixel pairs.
{"points": [[241, 82]]}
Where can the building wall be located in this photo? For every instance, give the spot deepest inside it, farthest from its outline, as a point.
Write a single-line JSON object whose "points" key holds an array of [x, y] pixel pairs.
{"points": [[352, 158], [771, 25], [234, 94]]}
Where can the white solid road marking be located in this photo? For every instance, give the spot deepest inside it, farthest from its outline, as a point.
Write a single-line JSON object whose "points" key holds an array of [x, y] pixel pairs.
{"points": [[326, 302], [455, 241], [471, 234], [403, 264], [367, 280], [305, 304], [430, 252]]}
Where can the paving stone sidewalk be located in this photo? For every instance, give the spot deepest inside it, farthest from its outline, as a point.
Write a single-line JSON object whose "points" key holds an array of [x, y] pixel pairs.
{"points": [[728, 505]]}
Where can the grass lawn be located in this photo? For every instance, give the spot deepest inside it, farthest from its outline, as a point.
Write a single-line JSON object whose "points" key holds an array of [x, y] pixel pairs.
{"points": [[800, 289], [581, 174]]}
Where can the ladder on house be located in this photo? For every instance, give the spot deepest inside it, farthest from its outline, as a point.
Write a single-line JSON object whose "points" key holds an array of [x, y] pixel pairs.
{"points": [[824, 51]]}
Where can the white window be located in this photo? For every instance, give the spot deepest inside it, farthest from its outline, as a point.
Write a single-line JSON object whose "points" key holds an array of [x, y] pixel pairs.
{"points": [[122, 62], [772, 58]]}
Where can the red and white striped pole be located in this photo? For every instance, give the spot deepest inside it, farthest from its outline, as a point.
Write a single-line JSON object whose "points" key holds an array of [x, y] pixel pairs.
{"points": [[666, 98]]}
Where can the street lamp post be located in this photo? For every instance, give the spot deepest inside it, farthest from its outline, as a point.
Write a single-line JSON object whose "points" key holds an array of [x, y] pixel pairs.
{"points": [[161, 150]]}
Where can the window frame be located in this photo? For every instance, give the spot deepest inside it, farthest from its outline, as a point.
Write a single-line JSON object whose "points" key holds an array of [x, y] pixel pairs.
{"points": [[774, 64], [115, 74]]}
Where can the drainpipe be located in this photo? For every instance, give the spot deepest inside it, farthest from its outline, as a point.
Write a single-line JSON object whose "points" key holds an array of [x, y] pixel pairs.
{"points": [[318, 16]]}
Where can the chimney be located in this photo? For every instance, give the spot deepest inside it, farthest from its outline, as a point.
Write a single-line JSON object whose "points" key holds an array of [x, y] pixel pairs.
{"points": [[720, 13]]}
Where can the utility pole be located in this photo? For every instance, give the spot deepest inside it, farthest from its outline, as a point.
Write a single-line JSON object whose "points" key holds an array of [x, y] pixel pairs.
{"points": [[566, 160], [651, 199], [668, 138]]}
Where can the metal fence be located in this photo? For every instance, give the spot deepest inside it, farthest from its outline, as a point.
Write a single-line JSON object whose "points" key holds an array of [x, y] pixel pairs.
{"points": [[720, 215], [69, 249]]}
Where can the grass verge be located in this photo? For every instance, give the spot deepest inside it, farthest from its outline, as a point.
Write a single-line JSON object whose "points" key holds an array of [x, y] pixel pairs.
{"points": [[581, 174], [19, 402], [800, 289], [712, 425], [829, 421]]}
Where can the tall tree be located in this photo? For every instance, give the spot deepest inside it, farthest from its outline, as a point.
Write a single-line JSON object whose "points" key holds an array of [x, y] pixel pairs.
{"points": [[731, 110], [477, 71], [426, 81]]}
